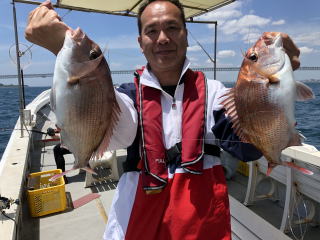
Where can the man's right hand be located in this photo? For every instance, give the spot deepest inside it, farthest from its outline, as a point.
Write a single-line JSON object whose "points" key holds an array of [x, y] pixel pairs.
{"points": [[45, 28]]}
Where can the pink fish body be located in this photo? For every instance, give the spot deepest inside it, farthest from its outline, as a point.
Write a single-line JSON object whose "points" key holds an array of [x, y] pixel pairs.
{"points": [[261, 105], [83, 98]]}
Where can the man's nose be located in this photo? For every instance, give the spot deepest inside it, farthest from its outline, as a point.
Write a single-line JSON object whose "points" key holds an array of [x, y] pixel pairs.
{"points": [[163, 38]]}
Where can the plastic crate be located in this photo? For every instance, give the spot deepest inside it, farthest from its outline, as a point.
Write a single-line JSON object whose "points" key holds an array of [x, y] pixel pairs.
{"points": [[243, 168], [44, 196]]}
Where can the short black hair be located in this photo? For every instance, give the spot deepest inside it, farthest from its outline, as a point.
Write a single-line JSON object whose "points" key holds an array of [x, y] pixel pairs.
{"points": [[147, 2]]}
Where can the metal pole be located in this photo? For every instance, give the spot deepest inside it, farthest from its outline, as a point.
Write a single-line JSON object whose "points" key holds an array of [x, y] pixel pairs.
{"points": [[215, 51], [21, 102], [23, 92]]}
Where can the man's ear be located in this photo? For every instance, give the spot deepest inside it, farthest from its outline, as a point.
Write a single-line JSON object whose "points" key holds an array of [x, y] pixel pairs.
{"points": [[140, 43]]}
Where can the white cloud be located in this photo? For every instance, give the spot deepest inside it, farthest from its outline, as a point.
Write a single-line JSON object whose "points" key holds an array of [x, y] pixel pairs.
{"points": [[251, 37], [228, 12], [193, 59], [306, 50], [312, 38], [194, 48], [245, 24], [226, 53], [221, 16], [279, 22]]}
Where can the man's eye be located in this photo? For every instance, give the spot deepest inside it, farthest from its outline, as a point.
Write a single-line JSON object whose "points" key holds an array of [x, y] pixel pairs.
{"points": [[172, 28], [151, 31]]}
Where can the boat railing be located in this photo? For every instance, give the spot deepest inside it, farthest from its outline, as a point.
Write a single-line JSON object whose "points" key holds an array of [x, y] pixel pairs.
{"points": [[296, 184]]}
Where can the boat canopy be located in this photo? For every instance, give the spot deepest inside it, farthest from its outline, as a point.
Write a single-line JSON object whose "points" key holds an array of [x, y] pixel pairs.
{"points": [[130, 8]]}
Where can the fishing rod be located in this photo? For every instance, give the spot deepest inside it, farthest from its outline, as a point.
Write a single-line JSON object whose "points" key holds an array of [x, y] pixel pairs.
{"points": [[203, 49], [50, 131]]}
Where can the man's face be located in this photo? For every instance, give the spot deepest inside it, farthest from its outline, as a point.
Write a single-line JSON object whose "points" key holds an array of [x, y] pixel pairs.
{"points": [[163, 38]]}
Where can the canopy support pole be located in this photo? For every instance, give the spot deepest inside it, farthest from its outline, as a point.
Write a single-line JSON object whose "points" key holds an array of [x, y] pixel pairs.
{"points": [[21, 100]]}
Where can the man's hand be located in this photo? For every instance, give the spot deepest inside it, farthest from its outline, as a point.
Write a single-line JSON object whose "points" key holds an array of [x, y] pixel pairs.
{"points": [[45, 28], [289, 46]]}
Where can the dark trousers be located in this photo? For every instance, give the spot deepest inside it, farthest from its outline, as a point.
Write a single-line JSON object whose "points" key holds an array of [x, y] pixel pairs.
{"points": [[58, 152]]}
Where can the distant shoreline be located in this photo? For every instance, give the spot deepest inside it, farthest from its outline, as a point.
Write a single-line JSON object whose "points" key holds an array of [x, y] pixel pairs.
{"points": [[116, 84], [11, 85], [15, 86]]}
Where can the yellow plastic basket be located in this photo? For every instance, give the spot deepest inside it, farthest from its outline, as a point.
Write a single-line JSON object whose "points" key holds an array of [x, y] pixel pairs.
{"points": [[243, 168], [45, 197]]}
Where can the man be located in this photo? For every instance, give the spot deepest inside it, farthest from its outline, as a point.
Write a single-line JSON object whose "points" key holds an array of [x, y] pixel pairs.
{"points": [[174, 189]]}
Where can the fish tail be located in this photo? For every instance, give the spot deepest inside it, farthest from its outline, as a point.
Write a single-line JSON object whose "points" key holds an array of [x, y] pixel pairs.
{"points": [[300, 169], [56, 176]]}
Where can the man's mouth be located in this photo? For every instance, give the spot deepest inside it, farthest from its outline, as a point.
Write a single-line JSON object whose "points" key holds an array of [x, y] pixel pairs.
{"points": [[164, 52]]}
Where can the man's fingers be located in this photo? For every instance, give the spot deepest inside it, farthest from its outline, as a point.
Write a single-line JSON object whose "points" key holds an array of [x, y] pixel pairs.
{"points": [[289, 46], [295, 62], [54, 15], [292, 50], [47, 4]]}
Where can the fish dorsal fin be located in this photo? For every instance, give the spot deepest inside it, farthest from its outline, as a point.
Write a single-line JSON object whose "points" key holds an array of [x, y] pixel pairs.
{"points": [[106, 140], [304, 92], [231, 111]]}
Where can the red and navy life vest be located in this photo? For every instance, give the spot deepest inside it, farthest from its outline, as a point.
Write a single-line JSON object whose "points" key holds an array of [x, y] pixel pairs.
{"points": [[153, 153]]}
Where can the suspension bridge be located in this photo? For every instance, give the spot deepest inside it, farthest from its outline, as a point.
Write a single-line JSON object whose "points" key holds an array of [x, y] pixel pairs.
{"points": [[119, 72]]}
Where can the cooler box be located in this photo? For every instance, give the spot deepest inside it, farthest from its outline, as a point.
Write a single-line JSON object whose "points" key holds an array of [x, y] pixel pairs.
{"points": [[44, 196]]}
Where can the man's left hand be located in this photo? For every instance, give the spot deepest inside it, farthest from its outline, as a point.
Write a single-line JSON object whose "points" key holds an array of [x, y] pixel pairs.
{"points": [[289, 46]]}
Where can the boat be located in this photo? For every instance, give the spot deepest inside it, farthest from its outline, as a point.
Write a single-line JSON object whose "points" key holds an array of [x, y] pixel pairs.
{"points": [[261, 207]]}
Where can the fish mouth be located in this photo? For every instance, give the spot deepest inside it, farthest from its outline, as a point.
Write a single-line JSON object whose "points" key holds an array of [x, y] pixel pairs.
{"points": [[77, 35]]}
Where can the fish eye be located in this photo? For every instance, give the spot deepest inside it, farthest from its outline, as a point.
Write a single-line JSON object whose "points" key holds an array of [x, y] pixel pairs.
{"points": [[93, 55], [253, 57]]}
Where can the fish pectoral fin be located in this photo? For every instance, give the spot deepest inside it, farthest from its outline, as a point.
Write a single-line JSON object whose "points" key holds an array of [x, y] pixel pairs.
{"points": [[300, 169], [304, 92]]}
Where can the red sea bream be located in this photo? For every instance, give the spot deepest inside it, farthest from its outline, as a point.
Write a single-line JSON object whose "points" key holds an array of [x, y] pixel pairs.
{"points": [[261, 105], [83, 98]]}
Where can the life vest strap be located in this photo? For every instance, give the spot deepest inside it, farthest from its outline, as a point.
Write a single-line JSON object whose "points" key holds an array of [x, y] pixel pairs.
{"points": [[173, 152]]}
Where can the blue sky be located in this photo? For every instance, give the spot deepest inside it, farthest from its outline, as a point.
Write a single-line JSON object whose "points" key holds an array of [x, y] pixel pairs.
{"points": [[239, 25]]}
